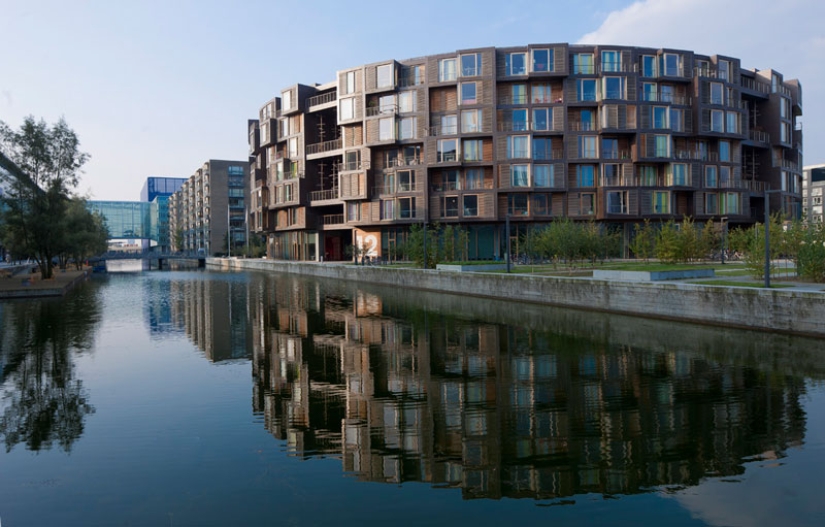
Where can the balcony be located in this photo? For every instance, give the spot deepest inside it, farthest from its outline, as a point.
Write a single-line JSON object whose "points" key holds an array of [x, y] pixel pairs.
{"points": [[754, 85], [759, 137], [618, 181], [435, 131], [352, 166], [372, 111], [579, 126], [665, 97], [617, 67], [513, 99], [323, 195], [326, 146], [333, 219], [404, 161], [320, 100], [613, 153], [548, 155], [396, 189]]}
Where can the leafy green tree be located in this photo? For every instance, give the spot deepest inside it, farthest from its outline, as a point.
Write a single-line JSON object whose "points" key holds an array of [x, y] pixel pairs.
{"points": [[644, 240], [667, 243], [37, 198], [810, 260], [86, 234]]}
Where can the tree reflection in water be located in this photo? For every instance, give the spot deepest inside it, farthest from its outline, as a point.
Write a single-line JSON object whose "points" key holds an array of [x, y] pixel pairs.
{"points": [[42, 401]]}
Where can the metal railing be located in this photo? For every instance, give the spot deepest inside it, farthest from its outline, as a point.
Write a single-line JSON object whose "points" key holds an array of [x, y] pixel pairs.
{"points": [[513, 99], [618, 181], [322, 99], [333, 219], [681, 100], [579, 126], [387, 109], [323, 195], [513, 126], [615, 153], [326, 146], [759, 136], [548, 155], [435, 131], [754, 85]]}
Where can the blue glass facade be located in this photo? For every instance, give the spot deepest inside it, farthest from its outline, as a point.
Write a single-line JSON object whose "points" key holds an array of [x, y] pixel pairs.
{"points": [[128, 219], [160, 186]]}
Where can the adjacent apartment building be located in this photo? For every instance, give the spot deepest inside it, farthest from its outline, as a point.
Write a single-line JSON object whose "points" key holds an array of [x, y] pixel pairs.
{"points": [[477, 137], [813, 184], [208, 215]]}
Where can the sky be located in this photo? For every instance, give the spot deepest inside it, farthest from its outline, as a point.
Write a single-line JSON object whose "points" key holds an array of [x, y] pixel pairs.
{"points": [[156, 88]]}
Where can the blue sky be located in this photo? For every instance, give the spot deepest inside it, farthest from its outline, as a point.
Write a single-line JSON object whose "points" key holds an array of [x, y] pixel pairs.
{"points": [[158, 87]]}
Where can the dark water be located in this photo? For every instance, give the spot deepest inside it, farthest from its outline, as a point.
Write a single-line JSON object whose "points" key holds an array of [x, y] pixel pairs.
{"points": [[197, 398]]}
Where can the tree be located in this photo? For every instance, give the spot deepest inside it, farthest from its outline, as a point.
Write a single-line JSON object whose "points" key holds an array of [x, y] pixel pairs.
{"points": [[86, 234], [48, 160]]}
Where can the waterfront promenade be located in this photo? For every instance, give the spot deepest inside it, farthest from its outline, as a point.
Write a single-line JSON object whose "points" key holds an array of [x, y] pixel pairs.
{"points": [[799, 309], [31, 285]]}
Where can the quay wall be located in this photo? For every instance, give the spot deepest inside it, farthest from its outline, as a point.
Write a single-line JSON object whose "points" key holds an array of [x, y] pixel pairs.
{"points": [[793, 312]]}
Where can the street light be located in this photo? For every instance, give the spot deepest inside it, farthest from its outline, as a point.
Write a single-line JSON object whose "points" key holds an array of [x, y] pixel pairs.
{"points": [[768, 237]]}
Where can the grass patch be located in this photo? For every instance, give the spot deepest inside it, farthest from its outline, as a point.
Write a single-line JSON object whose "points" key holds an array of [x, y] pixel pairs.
{"points": [[737, 283]]}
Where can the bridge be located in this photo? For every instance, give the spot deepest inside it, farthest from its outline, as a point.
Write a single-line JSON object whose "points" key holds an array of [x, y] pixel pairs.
{"points": [[150, 257]]}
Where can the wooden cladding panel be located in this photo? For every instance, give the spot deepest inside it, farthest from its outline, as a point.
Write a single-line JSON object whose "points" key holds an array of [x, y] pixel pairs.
{"points": [[444, 99], [352, 186], [353, 135]]}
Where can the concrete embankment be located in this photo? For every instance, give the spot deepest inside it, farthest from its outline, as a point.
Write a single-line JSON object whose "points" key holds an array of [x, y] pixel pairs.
{"points": [[786, 311]]}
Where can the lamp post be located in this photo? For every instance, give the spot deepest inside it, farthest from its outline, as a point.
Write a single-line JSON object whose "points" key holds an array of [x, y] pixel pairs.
{"points": [[724, 220], [768, 237], [507, 233]]}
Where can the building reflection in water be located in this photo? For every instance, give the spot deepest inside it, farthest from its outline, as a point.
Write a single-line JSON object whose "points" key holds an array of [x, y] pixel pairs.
{"points": [[210, 309], [402, 392]]}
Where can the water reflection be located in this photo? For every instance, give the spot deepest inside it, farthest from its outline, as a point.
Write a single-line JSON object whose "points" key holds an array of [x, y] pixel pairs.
{"points": [[211, 309], [43, 403], [534, 402]]}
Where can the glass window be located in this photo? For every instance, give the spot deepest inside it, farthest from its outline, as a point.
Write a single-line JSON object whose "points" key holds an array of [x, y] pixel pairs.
{"points": [[540, 205], [730, 203], [676, 120], [447, 150], [672, 65], [724, 69], [472, 149], [543, 176], [586, 90], [385, 74], [660, 115], [542, 118], [387, 209], [610, 148], [470, 205], [519, 175], [468, 92], [385, 129], [449, 124], [406, 128], [711, 203], [647, 176], [292, 148], [470, 121], [286, 99], [666, 93], [542, 60], [518, 94], [678, 175], [587, 203], [662, 143], [542, 148], [583, 63], [611, 61], [716, 93], [733, 122], [471, 65], [353, 211], [449, 180], [614, 87], [587, 146], [541, 93], [717, 121], [446, 70], [349, 82], [661, 202], [587, 120], [617, 202], [585, 176], [724, 151], [406, 101], [649, 66], [515, 64], [406, 181], [649, 92], [347, 108], [724, 177], [611, 175], [518, 120], [517, 205], [406, 208], [711, 177], [474, 179], [518, 147]]}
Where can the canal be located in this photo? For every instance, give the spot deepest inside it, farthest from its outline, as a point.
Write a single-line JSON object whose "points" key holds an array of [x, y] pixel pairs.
{"points": [[198, 398]]}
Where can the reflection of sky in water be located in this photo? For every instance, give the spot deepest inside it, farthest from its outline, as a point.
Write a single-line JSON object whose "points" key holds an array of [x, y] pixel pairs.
{"points": [[174, 439]]}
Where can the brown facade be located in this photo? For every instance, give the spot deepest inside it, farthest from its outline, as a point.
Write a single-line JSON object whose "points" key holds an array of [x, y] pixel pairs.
{"points": [[611, 133]]}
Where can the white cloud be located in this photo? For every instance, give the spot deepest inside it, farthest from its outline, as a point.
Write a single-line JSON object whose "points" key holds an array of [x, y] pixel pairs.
{"points": [[785, 36]]}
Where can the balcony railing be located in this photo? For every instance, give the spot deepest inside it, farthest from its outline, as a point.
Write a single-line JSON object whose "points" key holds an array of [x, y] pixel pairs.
{"points": [[322, 99], [435, 131], [617, 67], [395, 189], [326, 146], [665, 97], [759, 136], [754, 85], [513, 126], [618, 181], [387, 109], [323, 195], [615, 153], [513, 99], [333, 219], [548, 155], [578, 126], [405, 161], [349, 166]]}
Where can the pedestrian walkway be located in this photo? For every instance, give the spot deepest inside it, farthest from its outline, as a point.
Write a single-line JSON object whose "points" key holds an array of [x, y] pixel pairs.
{"points": [[27, 284]]}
